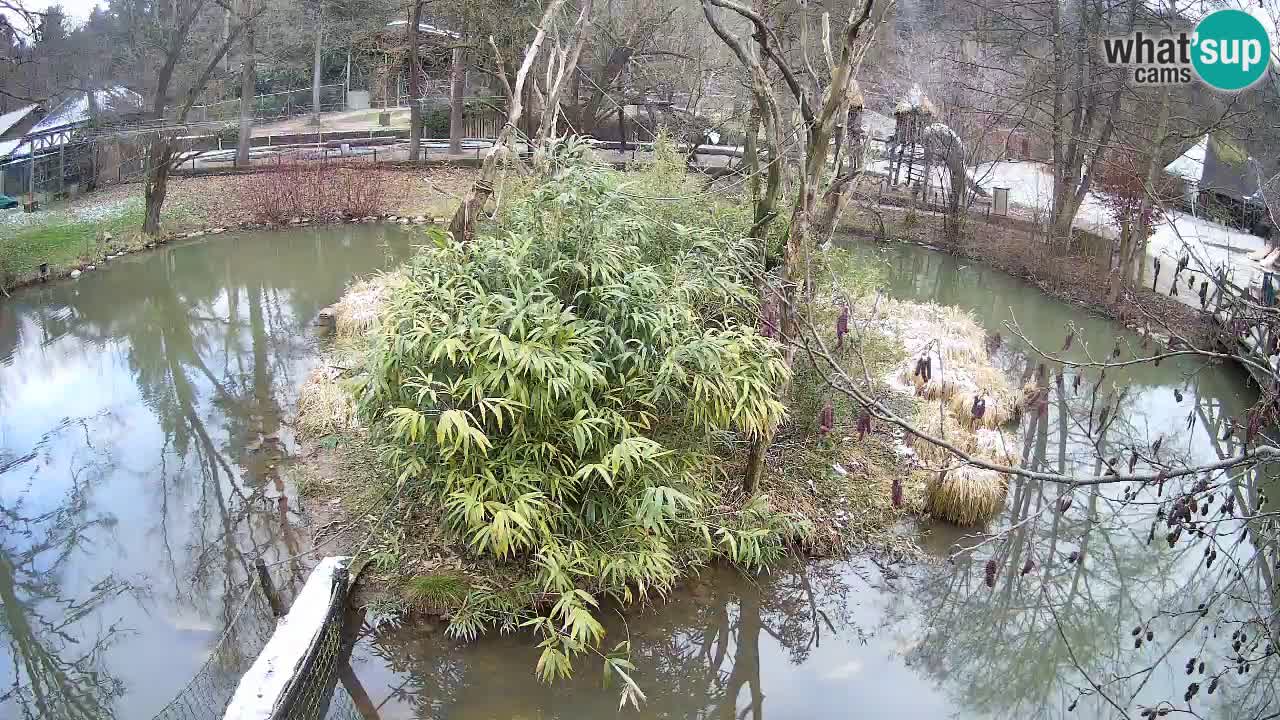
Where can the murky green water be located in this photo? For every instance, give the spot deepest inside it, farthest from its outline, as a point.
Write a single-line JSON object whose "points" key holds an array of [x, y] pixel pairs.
{"points": [[141, 430], [143, 416]]}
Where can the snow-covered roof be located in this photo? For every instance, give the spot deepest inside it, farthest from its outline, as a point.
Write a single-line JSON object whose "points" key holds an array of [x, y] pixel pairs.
{"points": [[1190, 164], [877, 125], [915, 101], [10, 119], [7, 146], [115, 100], [426, 28]]}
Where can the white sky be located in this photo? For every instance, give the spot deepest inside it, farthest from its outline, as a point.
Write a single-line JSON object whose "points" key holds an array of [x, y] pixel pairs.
{"points": [[77, 11]]}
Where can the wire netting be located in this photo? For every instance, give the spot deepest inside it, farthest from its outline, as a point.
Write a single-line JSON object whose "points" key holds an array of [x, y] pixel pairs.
{"points": [[309, 691], [310, 694], [206, 695]]}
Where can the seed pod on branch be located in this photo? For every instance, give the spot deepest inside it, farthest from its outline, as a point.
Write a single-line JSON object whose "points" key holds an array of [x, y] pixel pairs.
{"points": [[1064, 503], [864, 424], [1155, 447], [990, 573], [1252, 426], [842, 325], [979, 408]]}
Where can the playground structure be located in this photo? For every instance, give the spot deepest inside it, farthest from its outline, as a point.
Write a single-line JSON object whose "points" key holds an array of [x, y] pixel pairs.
{"points": [[919, 143]]}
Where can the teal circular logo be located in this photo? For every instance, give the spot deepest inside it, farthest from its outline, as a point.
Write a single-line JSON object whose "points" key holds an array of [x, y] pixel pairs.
{"points": [[1231, 50]]}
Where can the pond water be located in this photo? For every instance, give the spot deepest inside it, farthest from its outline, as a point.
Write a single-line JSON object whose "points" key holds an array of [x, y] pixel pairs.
{"points": [[142, 422], [142, 436]]}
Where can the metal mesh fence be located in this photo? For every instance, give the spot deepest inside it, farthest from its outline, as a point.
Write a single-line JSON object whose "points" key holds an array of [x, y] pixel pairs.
{"points": [[275, 106], [313, 692], [309, 691], [206, 696]]}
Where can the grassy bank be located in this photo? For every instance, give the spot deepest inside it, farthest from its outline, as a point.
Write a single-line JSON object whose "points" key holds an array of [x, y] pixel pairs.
{"points": [[72, 235], [65, 238]]}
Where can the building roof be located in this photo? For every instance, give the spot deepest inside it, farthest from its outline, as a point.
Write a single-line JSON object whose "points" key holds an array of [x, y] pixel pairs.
{"points": [[426, 28], [1190, 164], [1217, 164], [114, 100], [9, 119]]}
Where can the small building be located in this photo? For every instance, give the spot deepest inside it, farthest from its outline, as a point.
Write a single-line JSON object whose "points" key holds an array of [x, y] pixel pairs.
{"points": [[13, 126], [1221, 181], [52, 156]]}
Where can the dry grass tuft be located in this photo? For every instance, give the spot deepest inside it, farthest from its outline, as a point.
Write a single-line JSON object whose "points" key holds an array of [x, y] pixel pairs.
{"points": [[360, 308], [962, 372], [966, 495], [325, 404]]}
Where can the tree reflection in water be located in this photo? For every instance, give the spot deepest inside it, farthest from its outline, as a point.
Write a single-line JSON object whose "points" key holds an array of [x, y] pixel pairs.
{"points": [[196, 351], [56, 658], [700, 654], [1060, 637]]}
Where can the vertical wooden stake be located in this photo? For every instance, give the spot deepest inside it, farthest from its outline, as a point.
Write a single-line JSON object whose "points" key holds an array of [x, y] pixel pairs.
{"points": [[268, 588]]}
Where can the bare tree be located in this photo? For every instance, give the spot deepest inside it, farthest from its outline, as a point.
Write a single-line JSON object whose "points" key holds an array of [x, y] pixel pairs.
{"points": [[161, 156], [248, 84], [464, 219], [819, 108]]}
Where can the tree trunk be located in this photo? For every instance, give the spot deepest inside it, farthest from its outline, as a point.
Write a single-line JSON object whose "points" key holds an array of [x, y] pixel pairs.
{"points": [[1154, 168], [567, 68], [415, 83], [157, 184], [462, 227], [315, 72], [457, 77], [248, 87], [751, 156]]}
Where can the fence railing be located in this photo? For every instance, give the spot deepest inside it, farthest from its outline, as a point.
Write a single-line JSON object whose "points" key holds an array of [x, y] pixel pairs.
{"points": [[274, 106]]}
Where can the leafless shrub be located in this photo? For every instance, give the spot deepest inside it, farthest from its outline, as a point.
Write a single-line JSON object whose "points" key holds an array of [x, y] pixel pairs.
{"points": [[322, 191]]}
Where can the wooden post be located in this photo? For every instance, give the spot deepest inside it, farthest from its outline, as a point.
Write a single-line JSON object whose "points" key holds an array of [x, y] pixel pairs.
{"points": [[622, 129], [268, 588]]}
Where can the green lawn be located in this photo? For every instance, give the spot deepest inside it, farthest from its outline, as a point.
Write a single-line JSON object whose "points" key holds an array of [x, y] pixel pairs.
{"points": [[64, 240]]}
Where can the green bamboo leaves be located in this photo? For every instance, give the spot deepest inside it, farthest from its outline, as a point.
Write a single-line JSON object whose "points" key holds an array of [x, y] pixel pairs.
{"points": [[556, 386]]}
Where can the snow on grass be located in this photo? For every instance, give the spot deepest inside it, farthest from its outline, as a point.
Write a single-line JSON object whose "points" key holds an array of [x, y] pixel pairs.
{"points": [[85, 210], [264, 683], [1208, 244]]}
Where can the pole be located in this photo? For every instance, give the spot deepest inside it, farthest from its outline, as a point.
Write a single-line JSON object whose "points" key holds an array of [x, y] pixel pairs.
{"points": [[268, 588], [622, 129]]}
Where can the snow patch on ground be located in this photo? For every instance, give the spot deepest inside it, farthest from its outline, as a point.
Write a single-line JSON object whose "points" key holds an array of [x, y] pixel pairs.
{"points": [[1209, 245], [262, 685], [84, 210]]}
